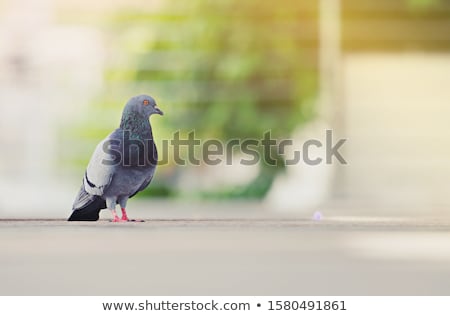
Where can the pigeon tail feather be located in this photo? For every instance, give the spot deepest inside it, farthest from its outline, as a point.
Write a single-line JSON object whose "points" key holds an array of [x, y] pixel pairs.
{"points": [[90, 212], [87, 207]]}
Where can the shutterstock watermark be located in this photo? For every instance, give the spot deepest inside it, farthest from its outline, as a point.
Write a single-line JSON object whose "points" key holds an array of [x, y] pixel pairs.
{"points": [[190, 150]]}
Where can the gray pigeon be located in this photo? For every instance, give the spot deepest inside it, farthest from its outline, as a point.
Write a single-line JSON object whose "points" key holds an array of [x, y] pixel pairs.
{"points": [[122, 165]]}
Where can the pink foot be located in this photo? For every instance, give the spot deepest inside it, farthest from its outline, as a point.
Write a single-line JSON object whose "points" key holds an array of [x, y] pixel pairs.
{"points": [[124, 215], [117, 219]]}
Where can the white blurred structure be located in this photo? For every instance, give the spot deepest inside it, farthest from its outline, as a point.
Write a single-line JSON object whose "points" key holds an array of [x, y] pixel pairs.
{"points": [[304, 187], [48, 73], [397, 110], [396, 119]]}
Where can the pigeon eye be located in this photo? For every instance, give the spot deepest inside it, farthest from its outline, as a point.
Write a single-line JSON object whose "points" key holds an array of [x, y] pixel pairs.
{"points": [[146, 102]]}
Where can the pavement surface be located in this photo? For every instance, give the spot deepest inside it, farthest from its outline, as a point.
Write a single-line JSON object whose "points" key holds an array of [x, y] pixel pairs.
{"points": [[226, 256]]}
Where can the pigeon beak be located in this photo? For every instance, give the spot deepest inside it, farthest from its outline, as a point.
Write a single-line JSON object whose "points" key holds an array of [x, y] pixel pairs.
{"points": [[158, 111]]}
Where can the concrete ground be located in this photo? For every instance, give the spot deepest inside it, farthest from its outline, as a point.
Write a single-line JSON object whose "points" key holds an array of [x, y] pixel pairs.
{"points": [[226, 254]]}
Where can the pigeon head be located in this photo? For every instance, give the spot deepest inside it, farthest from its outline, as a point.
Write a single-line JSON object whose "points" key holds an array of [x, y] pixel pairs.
{"points": [[136, 113], [144, 105]]}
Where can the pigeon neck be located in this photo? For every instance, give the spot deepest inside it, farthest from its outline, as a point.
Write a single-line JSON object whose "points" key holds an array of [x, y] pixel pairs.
{"points": [[136, 124]]}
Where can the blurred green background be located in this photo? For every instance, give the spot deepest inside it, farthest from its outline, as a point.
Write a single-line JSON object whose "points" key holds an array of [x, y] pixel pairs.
{"points": [[225, 69]]}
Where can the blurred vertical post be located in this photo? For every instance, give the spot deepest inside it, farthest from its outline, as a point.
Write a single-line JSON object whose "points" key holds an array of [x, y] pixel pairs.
{"points": [[329, 59], [330, 105]]}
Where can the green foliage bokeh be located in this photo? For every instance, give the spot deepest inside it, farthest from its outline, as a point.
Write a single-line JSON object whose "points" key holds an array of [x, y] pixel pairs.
{"points": [[226, 69]]}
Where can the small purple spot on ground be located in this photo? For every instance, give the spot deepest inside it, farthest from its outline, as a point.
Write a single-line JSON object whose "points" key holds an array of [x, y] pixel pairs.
{"points": [[317, 216]]}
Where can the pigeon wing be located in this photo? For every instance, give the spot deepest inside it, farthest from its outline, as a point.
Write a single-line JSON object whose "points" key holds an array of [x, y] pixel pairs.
{"points": [[102, 166], [99, 175]]}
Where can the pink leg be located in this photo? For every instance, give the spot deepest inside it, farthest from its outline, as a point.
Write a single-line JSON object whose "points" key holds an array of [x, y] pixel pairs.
{"points": [[116, 218], [124, 215]]}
